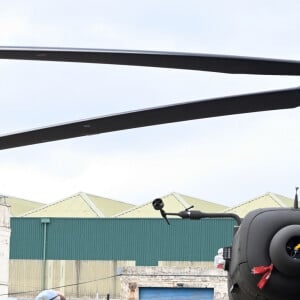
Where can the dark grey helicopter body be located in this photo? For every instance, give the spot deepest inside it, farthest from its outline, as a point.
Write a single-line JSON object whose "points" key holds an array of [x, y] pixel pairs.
{"points": [[266, 241]]}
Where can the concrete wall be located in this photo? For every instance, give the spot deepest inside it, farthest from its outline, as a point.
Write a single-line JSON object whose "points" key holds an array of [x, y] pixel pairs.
{"points": [[4, 248], [133, 278], [75, 278], [120, 279]]}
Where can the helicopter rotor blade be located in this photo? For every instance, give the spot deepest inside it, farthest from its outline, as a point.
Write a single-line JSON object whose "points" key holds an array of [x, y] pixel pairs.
{"points": [[176, 60], [264, 101]]}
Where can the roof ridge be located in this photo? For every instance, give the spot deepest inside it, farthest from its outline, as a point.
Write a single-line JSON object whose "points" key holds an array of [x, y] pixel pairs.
{"points": [[202, 200], [131, 209], [91, 204], [180, 199], [23, 199], [279, 195], [141, 206], [110, 199], [275, 197], [50, 204], [244, 202]]}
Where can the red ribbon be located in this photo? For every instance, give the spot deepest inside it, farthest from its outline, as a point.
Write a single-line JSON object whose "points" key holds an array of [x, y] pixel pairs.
{"points": [[266, 271]]}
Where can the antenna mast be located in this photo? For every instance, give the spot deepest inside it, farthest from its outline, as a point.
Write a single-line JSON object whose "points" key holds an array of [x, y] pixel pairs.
{"points": [[296, 198]]}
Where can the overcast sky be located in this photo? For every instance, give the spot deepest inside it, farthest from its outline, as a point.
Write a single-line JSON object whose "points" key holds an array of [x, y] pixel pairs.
{"points": [[225, 160]]}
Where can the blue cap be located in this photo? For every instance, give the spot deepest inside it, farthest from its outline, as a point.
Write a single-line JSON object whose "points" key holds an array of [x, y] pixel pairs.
{"points": [[47, 295]]}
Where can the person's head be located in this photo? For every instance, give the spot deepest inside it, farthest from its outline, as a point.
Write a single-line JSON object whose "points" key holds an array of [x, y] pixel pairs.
{"points": [[50, 295]]}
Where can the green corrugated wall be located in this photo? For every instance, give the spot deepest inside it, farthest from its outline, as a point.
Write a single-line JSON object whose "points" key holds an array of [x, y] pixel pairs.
{"points": [[146, 241]]}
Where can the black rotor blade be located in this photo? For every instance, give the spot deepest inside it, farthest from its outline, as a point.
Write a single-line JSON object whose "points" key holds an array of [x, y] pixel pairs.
{"points": [[282, 99], [176, 60]]}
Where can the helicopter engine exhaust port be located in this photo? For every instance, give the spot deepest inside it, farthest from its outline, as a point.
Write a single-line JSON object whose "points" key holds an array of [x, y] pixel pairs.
{"points": [[285, 250]]}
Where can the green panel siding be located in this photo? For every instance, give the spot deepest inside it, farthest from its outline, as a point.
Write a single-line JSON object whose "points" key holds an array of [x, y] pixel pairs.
{"points": [[27, 238], [146, 241]]}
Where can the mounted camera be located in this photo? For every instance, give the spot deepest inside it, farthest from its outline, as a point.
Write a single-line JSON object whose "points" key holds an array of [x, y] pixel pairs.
{"points": [[158, 204]]}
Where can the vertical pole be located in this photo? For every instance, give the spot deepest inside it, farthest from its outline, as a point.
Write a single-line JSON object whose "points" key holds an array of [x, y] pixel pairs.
{"points": [[5, 232], [44, 221]]}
